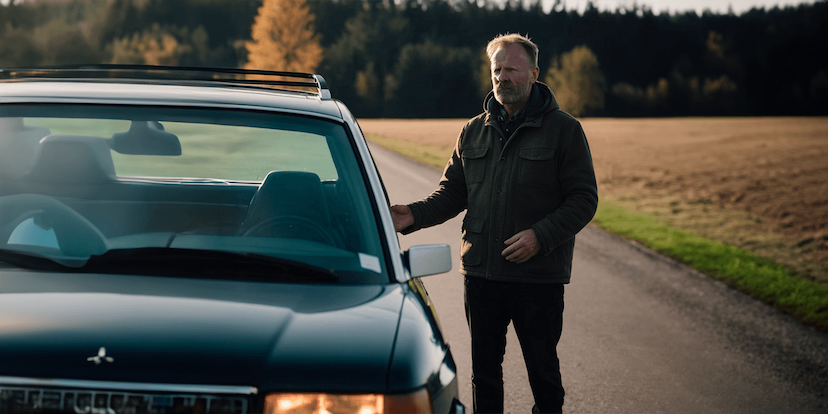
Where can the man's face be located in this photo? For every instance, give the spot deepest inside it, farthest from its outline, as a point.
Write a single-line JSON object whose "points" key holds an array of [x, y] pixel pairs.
{"points": [[512, 74]]}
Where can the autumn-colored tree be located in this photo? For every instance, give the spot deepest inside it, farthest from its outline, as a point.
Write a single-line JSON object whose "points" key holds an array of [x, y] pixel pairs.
{"points": [[283, 38], [577, 81]]}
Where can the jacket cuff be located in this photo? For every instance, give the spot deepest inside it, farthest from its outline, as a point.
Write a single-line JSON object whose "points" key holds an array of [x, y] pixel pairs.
{"points": [[545, 240]]}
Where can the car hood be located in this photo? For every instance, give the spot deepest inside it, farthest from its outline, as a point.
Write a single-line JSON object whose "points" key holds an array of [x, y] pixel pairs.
{"points": [[167, 330]]}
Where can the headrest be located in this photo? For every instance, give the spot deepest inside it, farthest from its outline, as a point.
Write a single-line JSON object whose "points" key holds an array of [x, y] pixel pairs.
{"points": [[18, 146], [297, 193], [72, 159]]}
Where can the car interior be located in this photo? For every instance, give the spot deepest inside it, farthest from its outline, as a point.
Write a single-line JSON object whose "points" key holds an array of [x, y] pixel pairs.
{"points": [[60, 192]]}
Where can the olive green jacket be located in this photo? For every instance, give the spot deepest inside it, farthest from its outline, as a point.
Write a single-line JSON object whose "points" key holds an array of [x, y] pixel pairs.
{"points": [[541, 177]]}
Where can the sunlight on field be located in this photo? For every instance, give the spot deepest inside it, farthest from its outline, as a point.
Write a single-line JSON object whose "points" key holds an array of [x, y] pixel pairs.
{"points": [[757, 183], [440, 133]]}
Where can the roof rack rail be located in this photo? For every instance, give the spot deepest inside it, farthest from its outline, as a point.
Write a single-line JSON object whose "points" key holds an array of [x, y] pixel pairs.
{"points": [[262, 78]]}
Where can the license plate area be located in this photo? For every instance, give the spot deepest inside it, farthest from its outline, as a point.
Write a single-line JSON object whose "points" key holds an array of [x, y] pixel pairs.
{"points": [[44, 400]]}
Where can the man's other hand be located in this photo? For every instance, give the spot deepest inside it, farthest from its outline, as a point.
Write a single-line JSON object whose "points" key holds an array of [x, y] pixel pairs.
{"points": [[521, 247], [403, 218]]}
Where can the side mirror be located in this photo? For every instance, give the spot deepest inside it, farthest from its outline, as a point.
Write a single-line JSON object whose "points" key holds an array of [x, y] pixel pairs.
{"points": [[428, 259], [145, 138]]}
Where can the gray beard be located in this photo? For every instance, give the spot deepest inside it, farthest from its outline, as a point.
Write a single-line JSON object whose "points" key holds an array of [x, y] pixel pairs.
{"points": [[511, 97], [508, 98]]}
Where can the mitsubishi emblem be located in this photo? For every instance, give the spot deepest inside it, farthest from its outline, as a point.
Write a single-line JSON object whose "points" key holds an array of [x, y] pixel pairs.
{"points": [[101, 357]]}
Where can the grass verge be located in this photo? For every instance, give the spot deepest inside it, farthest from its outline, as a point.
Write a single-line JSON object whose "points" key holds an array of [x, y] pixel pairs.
{"points": [[771, 282], [764, 279]]}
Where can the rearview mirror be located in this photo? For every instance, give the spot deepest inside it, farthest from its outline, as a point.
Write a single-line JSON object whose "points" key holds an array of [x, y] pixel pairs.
{"points": [[146, 138]]}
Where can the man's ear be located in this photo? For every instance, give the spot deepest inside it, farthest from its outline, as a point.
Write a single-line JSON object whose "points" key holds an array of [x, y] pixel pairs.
{"points": [[535, 74]]}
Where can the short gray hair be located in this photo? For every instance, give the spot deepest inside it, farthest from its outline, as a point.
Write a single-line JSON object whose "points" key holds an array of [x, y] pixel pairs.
{"points": [[510, 38]]}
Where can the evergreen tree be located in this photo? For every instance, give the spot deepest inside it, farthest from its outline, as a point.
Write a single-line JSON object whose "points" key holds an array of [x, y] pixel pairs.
{"points": [[433, 81], [762, 62], [284, 38]]}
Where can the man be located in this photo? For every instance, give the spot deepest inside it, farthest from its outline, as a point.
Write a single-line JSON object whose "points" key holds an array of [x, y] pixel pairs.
{"points": [[523, 171]]}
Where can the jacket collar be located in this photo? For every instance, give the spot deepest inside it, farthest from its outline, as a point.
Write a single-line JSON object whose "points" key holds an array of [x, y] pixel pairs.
{"points": [[541, 101]]}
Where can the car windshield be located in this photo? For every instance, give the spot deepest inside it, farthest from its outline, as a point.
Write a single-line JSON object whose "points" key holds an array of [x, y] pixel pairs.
{"points": [[81, 182]]}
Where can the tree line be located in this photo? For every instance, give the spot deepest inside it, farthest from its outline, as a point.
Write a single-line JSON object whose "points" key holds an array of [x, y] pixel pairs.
{"points": [[424, 58]]}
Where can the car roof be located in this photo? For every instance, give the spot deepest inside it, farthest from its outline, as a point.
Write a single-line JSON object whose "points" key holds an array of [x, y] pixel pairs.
{"points": [[291, 92]]}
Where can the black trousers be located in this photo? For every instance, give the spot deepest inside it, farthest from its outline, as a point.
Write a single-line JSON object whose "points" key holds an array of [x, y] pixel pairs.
{"points": [[536, 312]]}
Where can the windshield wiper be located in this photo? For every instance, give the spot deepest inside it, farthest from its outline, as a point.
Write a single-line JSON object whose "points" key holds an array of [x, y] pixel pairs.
{"points": [[212, 264], [209, 264], [31, 260]]}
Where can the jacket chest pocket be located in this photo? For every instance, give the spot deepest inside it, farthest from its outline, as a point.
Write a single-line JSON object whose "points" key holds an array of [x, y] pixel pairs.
{"points": [[536, 166], [474, 164]]}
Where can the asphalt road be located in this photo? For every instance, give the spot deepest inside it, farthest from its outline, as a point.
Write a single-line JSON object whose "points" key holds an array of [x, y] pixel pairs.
{"points": [[642, 334]]}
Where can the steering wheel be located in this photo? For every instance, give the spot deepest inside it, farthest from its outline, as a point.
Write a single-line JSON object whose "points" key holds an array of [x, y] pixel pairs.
{"points": [[76, 236], [291, 227]]}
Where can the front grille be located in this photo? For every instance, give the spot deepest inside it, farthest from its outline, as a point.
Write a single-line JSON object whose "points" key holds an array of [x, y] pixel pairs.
{"points": [[43, 400]]}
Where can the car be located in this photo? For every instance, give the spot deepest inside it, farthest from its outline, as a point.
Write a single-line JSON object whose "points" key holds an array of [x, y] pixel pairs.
{"points": [[204, 240]]}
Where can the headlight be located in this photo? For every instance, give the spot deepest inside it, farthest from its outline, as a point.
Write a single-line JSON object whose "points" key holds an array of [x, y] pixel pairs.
{"points": [[318, 403]]}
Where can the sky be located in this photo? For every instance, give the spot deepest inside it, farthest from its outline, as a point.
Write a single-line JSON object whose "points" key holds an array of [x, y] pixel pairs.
{"points": [[674, 6]]}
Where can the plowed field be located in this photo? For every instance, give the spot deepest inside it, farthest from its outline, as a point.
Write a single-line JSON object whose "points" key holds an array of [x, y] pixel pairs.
{"points": [[757, 183]]}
